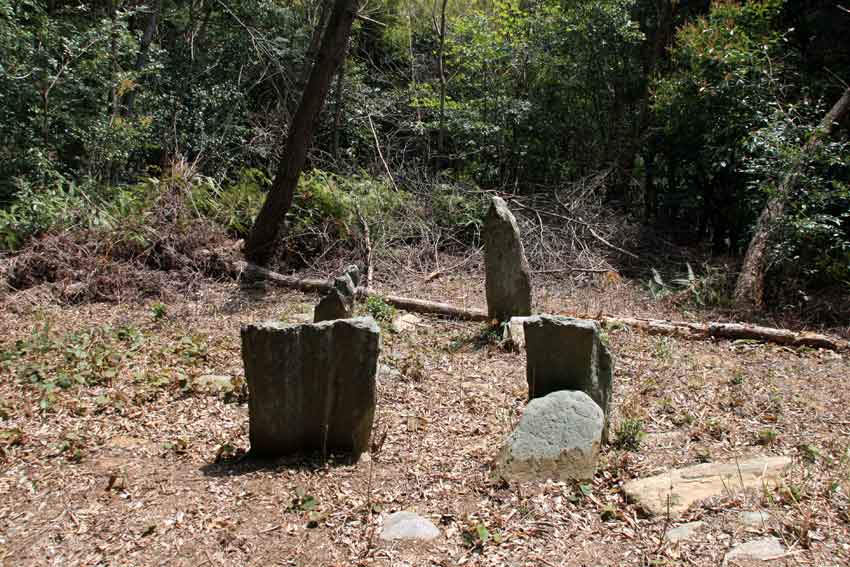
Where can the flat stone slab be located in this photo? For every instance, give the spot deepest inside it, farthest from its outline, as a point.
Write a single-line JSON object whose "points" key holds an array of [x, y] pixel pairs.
{"points": [[408, 526], [754, 552], [558, 438], [683, 487], [685, 532]]}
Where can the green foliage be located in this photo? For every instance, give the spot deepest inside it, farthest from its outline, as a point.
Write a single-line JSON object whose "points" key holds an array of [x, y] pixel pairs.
{"points": [[159, 311], [379, 309], [629, 434], [90, 357]]}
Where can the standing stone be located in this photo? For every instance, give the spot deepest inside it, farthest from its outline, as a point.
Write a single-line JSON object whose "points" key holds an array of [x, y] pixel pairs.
{"points": [[558, 438], [508, 276], [339, 303], [312, 386], [568, 354]]}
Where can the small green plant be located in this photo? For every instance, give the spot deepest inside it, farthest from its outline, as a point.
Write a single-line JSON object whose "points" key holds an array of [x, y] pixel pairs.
{"points": [[810, 453], [379, 309], [629, 434], [159, 311], [767, 436], [737, 379], [478, 535]]}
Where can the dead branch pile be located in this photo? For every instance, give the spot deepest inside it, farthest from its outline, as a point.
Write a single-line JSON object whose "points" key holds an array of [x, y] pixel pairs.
{"points": [[569, 229], [163, 252]]}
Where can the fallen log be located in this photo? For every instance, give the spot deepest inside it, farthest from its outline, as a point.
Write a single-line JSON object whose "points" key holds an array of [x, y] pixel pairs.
{"points": [[732, 331], [252, 271], [685, 329]]}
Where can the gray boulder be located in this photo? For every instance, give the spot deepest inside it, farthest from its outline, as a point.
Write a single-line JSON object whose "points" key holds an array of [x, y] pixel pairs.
{"points": [[568, 354], [408, 526], [508, 278], [558, 437], [312, 386]]}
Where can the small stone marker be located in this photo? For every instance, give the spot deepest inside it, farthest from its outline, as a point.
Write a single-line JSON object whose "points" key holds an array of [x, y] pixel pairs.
{"points": [[408, 526], [508, 277], [515, 332], [312, 386], [568, 354], [339, 303], [682, 487], [754, 552], [558, 438]]}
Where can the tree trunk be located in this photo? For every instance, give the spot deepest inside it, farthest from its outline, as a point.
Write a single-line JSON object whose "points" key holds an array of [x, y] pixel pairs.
{"points": [[749, 290], [141, 57], [442, 32], [260, 242]]}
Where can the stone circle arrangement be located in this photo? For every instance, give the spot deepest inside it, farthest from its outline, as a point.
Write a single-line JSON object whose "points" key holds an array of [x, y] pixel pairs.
{"points": [[327, 370]]}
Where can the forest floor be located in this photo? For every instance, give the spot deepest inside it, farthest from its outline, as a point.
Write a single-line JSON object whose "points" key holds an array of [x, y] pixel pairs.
{"points": [[110, 455]]}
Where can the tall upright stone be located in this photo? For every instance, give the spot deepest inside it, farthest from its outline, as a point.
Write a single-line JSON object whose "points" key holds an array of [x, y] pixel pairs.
{"points": [[312, 387], [568, 354], [508, 276]]}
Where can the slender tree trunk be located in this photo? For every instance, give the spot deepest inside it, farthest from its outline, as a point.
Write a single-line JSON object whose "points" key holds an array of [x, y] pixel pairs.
{"points": [[142, 55], [260, 243], [749, 290], [442, 133], [340, 100]]}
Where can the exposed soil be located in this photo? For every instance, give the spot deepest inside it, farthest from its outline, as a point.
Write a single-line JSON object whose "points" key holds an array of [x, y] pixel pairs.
{"points": [[134, 467]]}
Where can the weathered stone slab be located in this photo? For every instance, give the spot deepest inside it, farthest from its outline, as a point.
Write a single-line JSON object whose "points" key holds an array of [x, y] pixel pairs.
{"points": [[408, 526], [568, 354], [312, 386], [508, 277], [558, 437], [683, 487], [755, 552]]}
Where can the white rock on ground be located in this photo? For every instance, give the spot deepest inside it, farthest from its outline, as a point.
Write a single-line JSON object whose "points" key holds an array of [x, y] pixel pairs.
{"points": [[680, 488], [408, 526], [685, 532], [758, 519], [406, 322], [758, 550], [558, 438], [213, 383]]}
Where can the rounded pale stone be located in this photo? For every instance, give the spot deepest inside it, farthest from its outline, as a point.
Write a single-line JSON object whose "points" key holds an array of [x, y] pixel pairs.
{"points": [[408, 526], [558, 438]]}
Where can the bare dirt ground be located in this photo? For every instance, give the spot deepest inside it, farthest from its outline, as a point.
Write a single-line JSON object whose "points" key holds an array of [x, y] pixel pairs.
{"points": [[110, 456]]}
